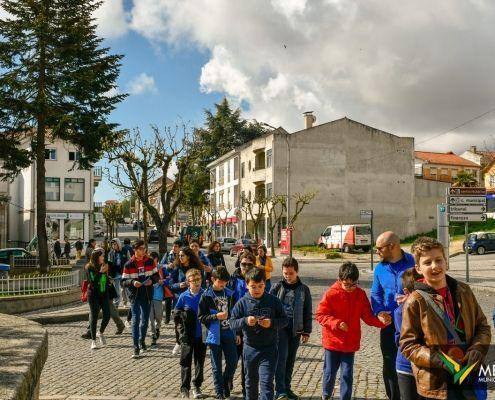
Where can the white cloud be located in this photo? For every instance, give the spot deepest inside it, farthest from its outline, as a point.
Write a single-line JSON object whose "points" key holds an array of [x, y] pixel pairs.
{"points": [[413, 68], [143, 83], [112, 19]]}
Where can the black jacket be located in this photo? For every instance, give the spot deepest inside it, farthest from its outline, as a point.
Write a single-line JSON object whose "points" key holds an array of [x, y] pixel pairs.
{"points": [[216, 259], [185, 323]]}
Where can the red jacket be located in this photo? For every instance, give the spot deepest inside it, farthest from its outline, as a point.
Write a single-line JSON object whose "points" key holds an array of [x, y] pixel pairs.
{"points": [[338, 305]]}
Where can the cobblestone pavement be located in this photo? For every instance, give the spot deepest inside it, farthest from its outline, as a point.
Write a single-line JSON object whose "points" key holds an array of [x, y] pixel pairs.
{"points": [[73, 370]]}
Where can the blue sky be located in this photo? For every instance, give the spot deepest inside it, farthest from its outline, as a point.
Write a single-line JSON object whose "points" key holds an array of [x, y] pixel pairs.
{"points": [[409, 68]]}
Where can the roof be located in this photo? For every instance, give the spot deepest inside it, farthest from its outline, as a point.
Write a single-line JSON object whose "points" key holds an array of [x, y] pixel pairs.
{"points": [[444, 158]]}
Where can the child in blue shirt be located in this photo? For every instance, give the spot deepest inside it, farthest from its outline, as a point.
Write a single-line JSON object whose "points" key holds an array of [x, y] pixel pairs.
{"points": [[156, 307], [190, 335]]}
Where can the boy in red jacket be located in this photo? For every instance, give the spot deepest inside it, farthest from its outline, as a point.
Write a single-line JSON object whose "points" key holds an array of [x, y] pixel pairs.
{"points": [[342, 307]]}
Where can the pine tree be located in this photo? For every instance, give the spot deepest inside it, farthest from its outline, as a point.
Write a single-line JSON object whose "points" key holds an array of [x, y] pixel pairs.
{"points": [[55, 82]]}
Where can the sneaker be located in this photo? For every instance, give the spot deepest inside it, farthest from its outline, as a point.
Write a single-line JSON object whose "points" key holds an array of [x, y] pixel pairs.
{"points": [[93, 345], [220, 397], [120, 329], [157, 334], [226, 390], [176, 349], [197, 394], [127, 324], [291, 395], [153, 342], [281, 397], [184, 393], [103, 341], [143, 346], [136, 352], [86, 335]]}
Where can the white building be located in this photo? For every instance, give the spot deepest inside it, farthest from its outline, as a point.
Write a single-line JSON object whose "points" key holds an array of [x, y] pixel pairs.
{"points": [[69, 196]]}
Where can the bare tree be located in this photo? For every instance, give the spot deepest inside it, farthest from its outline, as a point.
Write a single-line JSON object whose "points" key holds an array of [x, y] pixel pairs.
{"points": [[255, 208], [140, 162], [301, 200], [227, 210], [112, 213], [276, 208]]}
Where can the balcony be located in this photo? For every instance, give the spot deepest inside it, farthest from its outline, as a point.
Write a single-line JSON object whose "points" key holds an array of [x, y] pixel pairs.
{"points": [[258, 175], [97, 175]]}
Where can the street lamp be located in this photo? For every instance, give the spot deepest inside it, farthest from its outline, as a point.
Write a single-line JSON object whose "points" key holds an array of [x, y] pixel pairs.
{"points": [[286, 136]]}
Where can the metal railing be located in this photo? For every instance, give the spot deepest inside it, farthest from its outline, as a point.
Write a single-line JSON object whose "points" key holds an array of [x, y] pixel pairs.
{"points": [[34, 262], [38, 284]]}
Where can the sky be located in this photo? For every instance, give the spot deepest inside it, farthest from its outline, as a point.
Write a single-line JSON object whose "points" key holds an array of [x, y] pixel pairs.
{"points": [[416, 68]]}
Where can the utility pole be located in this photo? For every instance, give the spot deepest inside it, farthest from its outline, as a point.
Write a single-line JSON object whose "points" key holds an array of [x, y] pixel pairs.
{"points": [[466, 237]]}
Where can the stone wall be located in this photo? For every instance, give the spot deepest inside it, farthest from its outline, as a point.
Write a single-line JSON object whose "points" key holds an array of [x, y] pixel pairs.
{"points": [[23, 352], [23, 304]]}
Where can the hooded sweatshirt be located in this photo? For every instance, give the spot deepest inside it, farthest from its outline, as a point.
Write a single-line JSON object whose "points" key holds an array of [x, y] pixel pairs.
{"points": [[339, 305]]}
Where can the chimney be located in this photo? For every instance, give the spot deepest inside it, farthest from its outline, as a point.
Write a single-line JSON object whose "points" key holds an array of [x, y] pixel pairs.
{"points": [[309, 119], [472, 149]]}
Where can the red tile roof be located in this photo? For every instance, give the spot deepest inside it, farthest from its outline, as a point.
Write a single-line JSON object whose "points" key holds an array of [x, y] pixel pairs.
{"points": [[445, 159]]}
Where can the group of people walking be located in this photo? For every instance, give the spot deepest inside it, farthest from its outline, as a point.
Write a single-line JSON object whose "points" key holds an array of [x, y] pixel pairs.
{"points": [[425, 318]]}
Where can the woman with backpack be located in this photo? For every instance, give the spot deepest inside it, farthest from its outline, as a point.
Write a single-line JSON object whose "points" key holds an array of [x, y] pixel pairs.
{"points": [[98, 294]]}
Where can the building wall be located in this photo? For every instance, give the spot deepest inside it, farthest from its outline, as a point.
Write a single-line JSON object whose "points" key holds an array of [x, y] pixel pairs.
{"points": [[428, 194], [352, 167], [489, 178], [469, 155], [446, 173]]}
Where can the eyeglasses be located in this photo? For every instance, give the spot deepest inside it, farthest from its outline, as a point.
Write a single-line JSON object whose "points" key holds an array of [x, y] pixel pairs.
{"points": [[380, 248], [246, 265], [194, 280]]}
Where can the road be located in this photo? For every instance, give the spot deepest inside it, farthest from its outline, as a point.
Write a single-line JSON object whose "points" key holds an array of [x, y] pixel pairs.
{"points": [[72, 369]]}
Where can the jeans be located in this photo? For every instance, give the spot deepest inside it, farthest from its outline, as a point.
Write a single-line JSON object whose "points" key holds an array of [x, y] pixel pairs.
{"points": [[156, 314], [197, 350], [389, 353], [118, 288], [140, 316], [268, 285], [287, 349], [229, 349], [333, 360], [260, 367], [97, 303], [407, 387]]}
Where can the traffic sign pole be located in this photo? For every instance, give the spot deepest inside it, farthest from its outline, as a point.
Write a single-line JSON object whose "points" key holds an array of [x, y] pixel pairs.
{"points": [[372, 241], [466, 234]]}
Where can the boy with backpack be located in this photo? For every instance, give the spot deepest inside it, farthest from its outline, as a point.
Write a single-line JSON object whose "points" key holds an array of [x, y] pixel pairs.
{"points": [[296, 298], [215, 307]]}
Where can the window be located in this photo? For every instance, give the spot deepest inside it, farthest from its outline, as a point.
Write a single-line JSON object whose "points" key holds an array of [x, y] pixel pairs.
{"points": [[269, 158], [243, 196], [491, 181], [454, 173], [50, 154], [73, 189], [269, 190], [221, 173], [444, 171], [249, 165], [236, 168], [236, 195], [220, 199], [433, 171], [52, 189], [74, 155], [228, 171], [242, 170], [74, 228], [259, 192]]}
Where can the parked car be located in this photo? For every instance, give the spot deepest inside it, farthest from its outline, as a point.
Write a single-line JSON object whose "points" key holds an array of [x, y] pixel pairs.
{"points": [[6, 254], [153, 236], [98, 231], [239, 245], [135, 225], [480, 242], [346, 237], [227, 243]]}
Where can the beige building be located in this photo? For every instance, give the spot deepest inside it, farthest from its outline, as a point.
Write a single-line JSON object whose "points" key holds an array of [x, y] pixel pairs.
{"points": [[350, 165]]}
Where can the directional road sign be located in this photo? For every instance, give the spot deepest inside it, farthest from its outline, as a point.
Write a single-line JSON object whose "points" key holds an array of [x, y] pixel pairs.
{"points": [[467, 217], [467, 209], [466, 191], [366, 214], [467, 200]]}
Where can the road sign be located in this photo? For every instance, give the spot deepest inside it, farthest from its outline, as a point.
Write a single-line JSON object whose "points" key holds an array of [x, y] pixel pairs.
{"points": [[466, 191], [467, 200], [366, 214], [467, 217], [467, 209]]}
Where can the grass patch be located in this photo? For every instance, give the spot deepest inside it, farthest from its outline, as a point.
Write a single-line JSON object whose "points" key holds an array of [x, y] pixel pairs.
{"points": [[315, 249]]}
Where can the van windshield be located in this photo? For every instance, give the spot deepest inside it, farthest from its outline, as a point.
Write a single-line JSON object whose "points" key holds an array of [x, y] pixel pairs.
{"points": [[363, 230]]}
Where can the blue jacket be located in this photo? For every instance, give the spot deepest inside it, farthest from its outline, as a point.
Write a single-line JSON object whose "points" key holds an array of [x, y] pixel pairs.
{"points": [[238, 285], [402, 364], [387, 283], [267, 306], [302, 322], [207, 311]]}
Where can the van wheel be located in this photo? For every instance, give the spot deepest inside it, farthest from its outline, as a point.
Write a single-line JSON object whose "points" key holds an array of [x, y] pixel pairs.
{"points": [[321, 245], [347, 248], [480, 250]]}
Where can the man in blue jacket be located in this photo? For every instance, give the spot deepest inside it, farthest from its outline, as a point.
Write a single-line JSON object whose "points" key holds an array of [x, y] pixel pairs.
{"points": [[385, 292]]}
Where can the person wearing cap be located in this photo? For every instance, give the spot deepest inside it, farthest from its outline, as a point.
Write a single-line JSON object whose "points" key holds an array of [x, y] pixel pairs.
{"points": [[117, 257]]}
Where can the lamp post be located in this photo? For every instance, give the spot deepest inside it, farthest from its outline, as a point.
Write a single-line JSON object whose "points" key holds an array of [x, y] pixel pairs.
{"points": [[286, 136]]}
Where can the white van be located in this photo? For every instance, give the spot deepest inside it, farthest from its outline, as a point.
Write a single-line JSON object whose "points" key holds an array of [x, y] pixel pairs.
{"points": [[346, 237]]}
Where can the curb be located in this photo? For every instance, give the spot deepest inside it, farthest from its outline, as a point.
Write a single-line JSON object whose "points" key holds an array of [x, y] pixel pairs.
{"points": [[67, 317]]}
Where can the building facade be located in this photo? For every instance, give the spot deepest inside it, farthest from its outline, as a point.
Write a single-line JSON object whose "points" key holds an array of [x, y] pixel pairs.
{"points": [[69, 196], [443, 167], [350, 166]]}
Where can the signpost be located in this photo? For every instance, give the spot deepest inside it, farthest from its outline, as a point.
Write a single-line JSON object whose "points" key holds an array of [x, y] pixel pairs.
{"points": [[466, 205], [368, 214], [443, 227]]}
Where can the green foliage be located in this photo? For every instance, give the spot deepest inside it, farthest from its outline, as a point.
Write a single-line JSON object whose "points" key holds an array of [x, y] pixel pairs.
{"points": [[465, 179], [54, 74], [125, 206]]}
